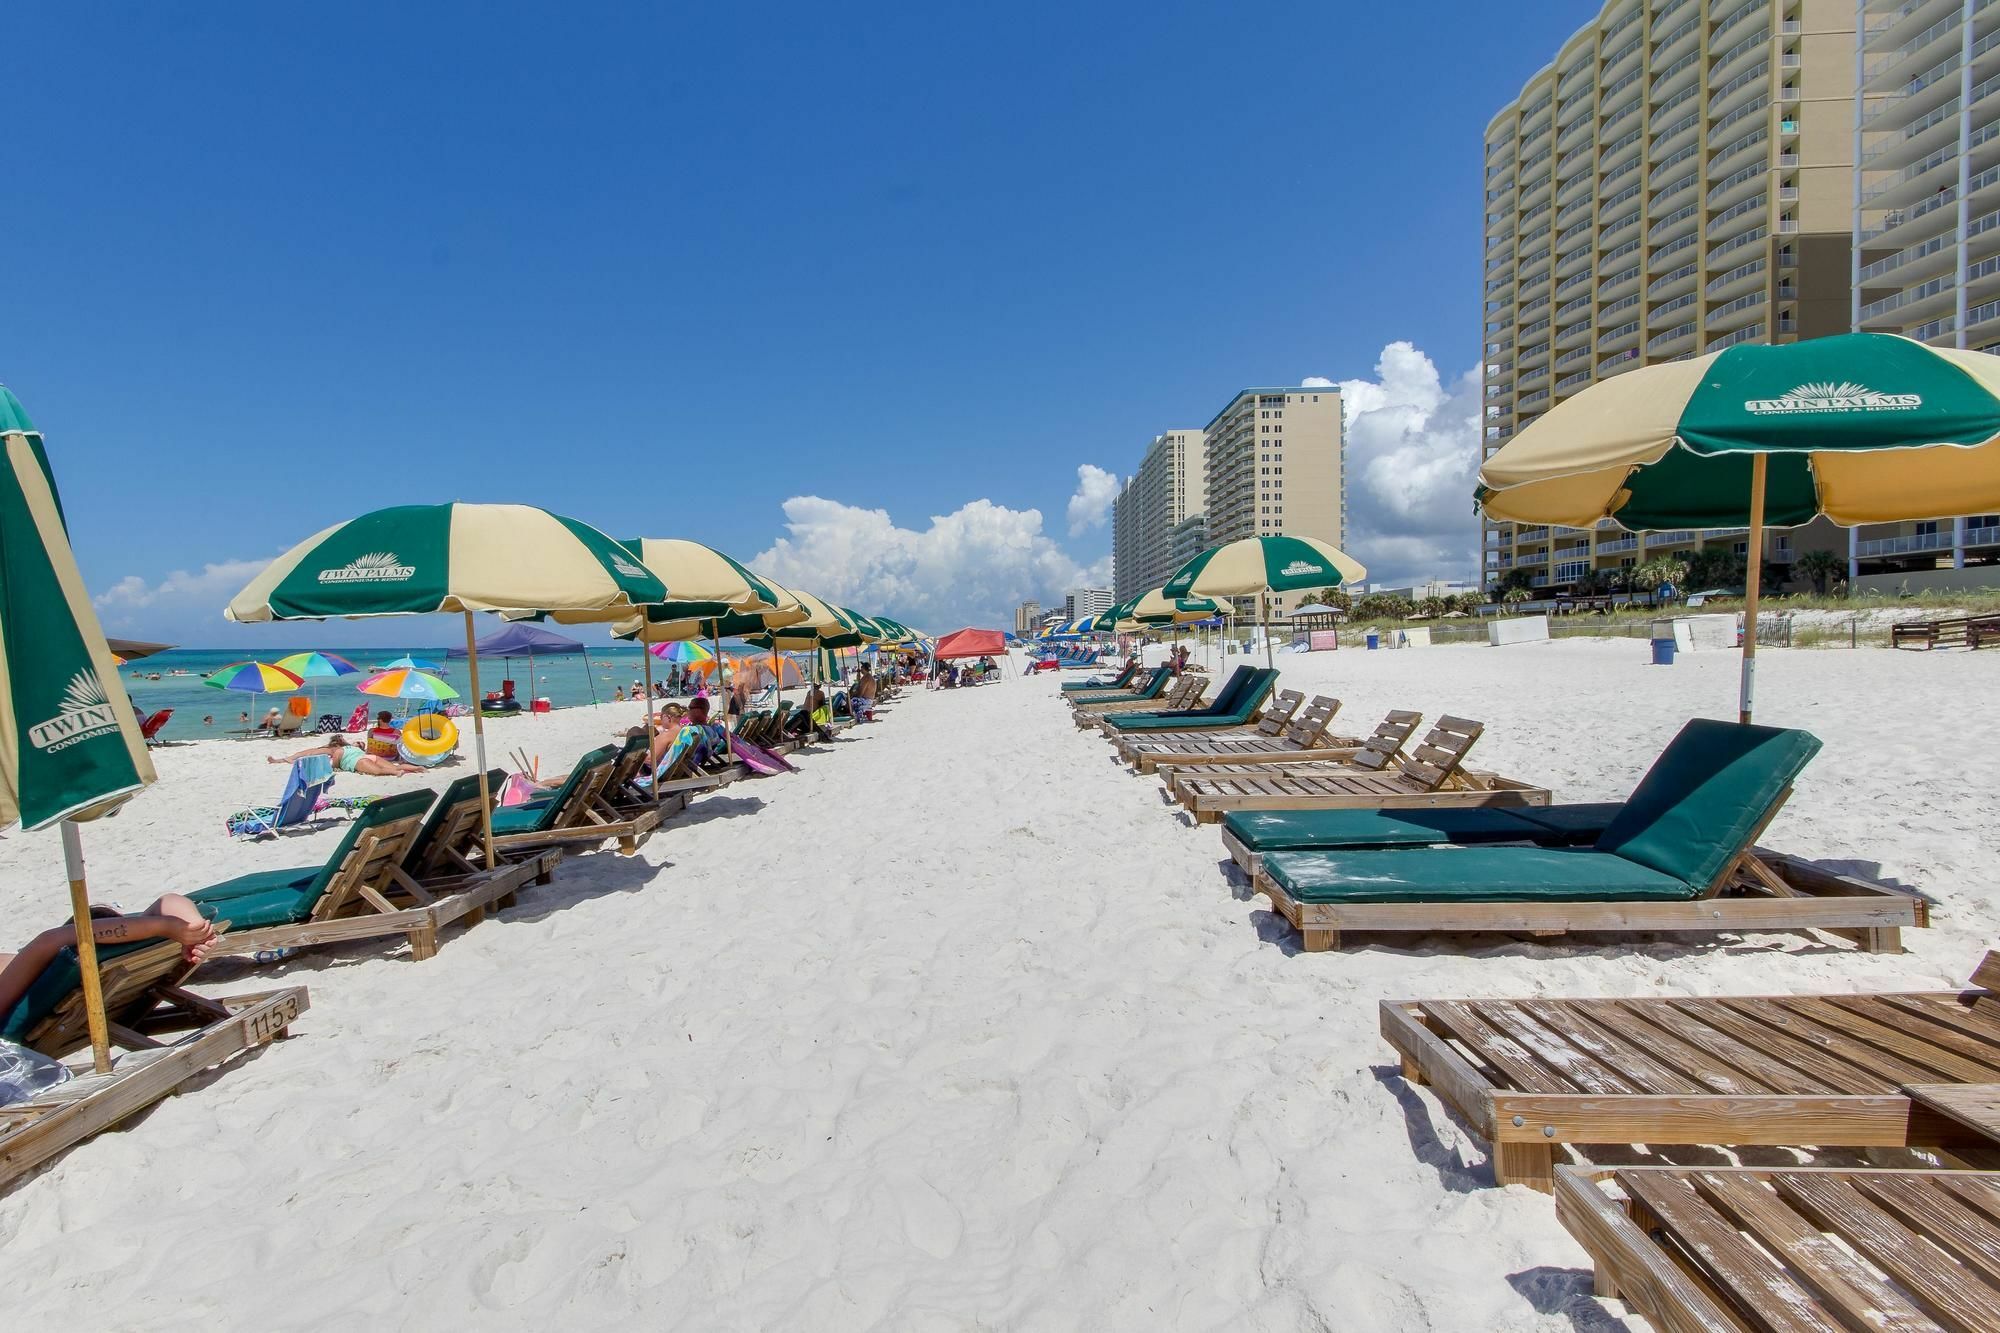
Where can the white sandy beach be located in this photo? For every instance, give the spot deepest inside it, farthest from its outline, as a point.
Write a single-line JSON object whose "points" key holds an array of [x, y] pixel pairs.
{"points": [[958, 1027]]}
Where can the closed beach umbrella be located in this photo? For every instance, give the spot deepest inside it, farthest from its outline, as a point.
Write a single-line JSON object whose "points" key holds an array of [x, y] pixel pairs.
{"points": [[70, 749], [1260, 566], [403, 683], [1860, 427], [456, 558]]}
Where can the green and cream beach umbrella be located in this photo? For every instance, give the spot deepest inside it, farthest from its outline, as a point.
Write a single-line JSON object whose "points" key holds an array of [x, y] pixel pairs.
{"points": [[70, 749], [1259, 566], [1860, 427], [452, 558]]}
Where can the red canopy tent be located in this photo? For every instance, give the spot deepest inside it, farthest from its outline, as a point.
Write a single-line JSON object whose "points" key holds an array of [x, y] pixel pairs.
{"points": [[971, 643]]}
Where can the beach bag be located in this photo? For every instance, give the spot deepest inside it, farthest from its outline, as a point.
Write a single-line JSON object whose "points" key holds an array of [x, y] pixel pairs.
{"points": [[328, 724], [24, 1073], [519, 789]]}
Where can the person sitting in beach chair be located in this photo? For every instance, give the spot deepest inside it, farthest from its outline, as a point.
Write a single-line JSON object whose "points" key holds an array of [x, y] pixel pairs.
{"points": [[348, 758], [862, 698], [171, 917]]}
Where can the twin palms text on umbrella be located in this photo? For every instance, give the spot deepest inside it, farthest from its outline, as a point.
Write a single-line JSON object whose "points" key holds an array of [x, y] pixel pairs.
{"points": [[457, 558], [70, 749], [1860, 427]]}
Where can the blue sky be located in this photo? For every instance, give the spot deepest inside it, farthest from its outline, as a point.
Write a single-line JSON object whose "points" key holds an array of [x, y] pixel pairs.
{"points": [[666, 269]]}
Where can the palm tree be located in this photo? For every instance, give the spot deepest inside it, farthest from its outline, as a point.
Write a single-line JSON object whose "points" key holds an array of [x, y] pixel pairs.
{"points": [[1513, 597], [1822, 567]]}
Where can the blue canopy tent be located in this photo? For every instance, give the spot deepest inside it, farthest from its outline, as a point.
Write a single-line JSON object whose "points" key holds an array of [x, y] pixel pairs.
{"points": [[522, 639]]}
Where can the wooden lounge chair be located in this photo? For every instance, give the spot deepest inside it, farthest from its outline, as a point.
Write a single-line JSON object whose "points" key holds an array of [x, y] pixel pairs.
{"points": [[395, 872], [146, 1005], [574, 814], [1434, 775], [1124, 678], [1144, 691], [1372, 754], [1299, 738], [1832, 1071], [1679, 855], [1236, 705], [1758, 1249], [1185, 693]]}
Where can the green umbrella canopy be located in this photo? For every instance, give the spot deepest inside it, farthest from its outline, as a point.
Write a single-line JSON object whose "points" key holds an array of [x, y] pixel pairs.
{"points": [[413, 559], [1256, 565], [69, 745], [1861, 427]]}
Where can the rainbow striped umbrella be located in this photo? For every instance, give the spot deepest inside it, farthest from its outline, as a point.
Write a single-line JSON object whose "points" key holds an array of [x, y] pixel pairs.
{"points": [[317, 666], [684, 651], [254, 678], [403, 683]]}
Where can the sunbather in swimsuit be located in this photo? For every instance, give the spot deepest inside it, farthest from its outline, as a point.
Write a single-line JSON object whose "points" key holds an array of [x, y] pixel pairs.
{"points": [[350, 759]]}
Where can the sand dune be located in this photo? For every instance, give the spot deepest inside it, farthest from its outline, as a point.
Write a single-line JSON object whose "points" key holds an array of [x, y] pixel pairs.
{"points": [[958, 1027]]}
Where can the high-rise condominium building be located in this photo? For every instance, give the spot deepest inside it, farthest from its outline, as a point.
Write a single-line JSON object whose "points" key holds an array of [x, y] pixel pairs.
{"points": [[1168, 488], [1274, 466], [1678, 180], [1027, 617], [1086, 602], [1927, 221]]}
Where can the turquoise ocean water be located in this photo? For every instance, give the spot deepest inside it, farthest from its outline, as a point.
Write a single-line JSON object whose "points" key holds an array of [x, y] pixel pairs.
{"points": [[565, 681]]}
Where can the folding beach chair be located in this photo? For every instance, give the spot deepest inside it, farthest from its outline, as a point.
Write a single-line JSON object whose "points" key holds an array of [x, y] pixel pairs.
{"points": [[299, 805]]}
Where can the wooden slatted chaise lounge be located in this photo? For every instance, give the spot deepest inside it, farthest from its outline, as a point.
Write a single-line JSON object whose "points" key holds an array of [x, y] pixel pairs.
{"points": [[1126, 675], [1373, 754], [1143, 691], [1829, 1071], [1284, 710], [1804, 1249], [573, 815], [394, 872], [1299, 739], [1679, 855], [1432, 776], [1235, 705], [1185, 693], [167, 1036]]}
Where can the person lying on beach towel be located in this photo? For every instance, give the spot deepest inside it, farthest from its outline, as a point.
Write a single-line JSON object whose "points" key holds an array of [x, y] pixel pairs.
{"points": [[172, 917], [347, 758]]}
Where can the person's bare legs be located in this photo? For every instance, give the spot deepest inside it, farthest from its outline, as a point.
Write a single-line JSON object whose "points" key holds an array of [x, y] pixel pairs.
{"points": [[375, 766]]}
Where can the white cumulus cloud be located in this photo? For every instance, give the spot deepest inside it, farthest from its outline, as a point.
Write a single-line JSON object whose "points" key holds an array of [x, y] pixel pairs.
{"points": [[213, 583], [969, 567], [1412, 459], [1315, 382], [1091, 504]]}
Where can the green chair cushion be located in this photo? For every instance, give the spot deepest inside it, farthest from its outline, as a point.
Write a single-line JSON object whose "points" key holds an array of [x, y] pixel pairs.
{"points": [[1249, 693], [1470, 875], [1582, 822], [1295, 830], [276, 902], [1703, 798], [522, 818]]}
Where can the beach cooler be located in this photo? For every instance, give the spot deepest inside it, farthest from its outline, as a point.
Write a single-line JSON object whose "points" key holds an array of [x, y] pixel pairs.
{"points": [[542, 705]]}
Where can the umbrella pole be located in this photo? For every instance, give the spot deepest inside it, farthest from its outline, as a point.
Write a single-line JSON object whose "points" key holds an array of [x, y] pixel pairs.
{"points": [[1264, 619], [728, 733], [479, 743], [645, 657], [86, 949], [1753, 578]]}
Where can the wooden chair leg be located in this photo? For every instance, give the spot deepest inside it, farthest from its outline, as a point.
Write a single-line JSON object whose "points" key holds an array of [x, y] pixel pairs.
{"points": [[1319, 939], [423, 942], [1602, 1285], [1413, 1073], [1530, 1164]]}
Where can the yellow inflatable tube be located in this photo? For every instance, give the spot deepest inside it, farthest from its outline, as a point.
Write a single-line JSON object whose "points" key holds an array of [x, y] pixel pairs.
{"points": [[427, 740]]}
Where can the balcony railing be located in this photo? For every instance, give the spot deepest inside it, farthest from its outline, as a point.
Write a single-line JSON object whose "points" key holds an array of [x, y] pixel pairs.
{"points": [[1911, 545], [1748, 333]]}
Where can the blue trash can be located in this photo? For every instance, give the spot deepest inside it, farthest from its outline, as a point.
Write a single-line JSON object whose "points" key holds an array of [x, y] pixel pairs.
{"points": [[1374, 639], [1663, 652]]}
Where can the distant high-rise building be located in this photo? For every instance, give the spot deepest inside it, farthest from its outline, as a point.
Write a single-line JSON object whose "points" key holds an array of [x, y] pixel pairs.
{"points": [[1927, 223], [1086, 602], [1677, 180], [1169, 486], [1273, 467], [1027, 617]]}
